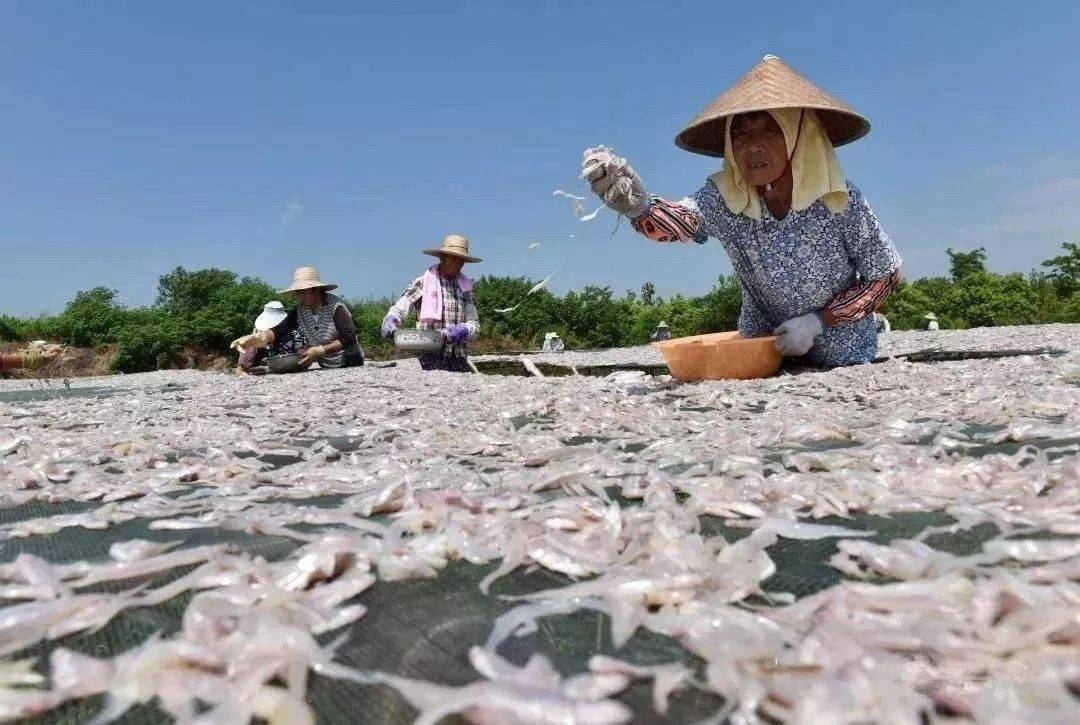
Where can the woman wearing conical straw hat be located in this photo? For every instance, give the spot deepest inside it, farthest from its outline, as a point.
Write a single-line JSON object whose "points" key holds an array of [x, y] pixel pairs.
{"points": [[812, 259], [321, 318], [443, 299]]}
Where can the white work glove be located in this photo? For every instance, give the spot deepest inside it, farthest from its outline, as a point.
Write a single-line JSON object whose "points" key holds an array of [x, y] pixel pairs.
{"points": [[796, 336], [251, 342], [390, 325], [312, 354], [615, 182]]}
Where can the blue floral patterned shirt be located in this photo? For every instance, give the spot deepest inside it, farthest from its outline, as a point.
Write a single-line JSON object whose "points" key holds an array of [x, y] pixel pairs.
{"points": [[792, 266]]}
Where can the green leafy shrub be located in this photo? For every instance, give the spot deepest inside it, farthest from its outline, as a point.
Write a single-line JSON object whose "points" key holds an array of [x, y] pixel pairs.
{"points": [[152, 340]]}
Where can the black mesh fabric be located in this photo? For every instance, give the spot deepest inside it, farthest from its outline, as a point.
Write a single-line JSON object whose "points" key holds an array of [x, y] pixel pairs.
{"points": [[423, 629]]}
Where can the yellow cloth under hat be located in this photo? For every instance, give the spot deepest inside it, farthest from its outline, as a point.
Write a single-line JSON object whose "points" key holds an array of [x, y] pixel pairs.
{"points": [[815, 170]]}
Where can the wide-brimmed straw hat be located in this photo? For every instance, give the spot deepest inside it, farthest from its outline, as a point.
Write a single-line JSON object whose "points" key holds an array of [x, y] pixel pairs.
{"points": [[307, 278], [271, 316], [662, 324], [770, 84], [929, 316], [454, 245]]}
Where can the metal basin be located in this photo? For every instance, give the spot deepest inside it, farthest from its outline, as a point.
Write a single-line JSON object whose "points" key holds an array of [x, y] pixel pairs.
{"points": [[721, 356], [416, 341], [283, 363]]}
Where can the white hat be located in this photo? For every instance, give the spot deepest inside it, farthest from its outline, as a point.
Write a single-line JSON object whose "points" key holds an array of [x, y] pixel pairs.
{"points": [[550, 335], [271, 316]]}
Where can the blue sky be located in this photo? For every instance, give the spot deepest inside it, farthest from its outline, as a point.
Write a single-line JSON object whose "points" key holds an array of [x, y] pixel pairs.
{"points": [[135, 137]]}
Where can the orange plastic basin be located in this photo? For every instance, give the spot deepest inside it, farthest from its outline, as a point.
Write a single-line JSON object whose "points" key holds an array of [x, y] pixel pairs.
{"points": [[720, 356]]}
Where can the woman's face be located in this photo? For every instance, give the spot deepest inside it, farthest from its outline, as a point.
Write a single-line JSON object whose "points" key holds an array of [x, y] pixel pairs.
{"points": [[310, 297], [758, 144], [450, 267]]}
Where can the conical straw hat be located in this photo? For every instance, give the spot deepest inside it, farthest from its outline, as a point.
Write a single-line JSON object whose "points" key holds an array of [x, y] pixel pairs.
{"points": [[770, 84]]}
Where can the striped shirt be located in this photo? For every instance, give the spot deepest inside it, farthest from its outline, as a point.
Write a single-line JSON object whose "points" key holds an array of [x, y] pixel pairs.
{"points": [[332, 321]]}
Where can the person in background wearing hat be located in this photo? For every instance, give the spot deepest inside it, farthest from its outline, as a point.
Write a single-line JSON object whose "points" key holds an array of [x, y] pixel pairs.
{"points": [[661, 333], [882, 323], [811, 257], [273, 314], [931, 321], [323, 321], [553, 343], [443, 299]]}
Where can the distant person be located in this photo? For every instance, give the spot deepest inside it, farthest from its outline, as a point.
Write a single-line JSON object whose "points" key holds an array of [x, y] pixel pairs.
{"points": [[443, 299], [931, 321], [553, 343], [811, 257], [661, 333], [882, 322], [273, 314], [323, 321]]}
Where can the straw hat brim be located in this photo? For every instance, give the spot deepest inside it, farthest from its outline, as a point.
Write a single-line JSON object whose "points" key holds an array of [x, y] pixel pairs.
{"points": [[294, 288], [444, 252], [771, 84]]}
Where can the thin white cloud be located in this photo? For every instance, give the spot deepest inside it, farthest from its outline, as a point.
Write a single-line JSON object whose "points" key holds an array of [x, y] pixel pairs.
{"points": [[293, 210]]}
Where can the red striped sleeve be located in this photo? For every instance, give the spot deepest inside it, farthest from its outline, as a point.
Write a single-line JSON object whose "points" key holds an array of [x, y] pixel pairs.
{"points": [[857, 302], [668, 221]]}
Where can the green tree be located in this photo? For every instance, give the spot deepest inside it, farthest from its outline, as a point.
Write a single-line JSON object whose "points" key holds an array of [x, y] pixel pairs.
{"points": [[11, 329], [15, 329], [151, 340], [1065, 270], [684, 316], [532, 316], [229, 314], [648, 293], [213, 306], [963, 264], [643, 320], [92, 318], [939, 294], [182, 293], [906, 306], [594, 318], [721, 305], [1070, 309], [985, 300], [1049, 304]]}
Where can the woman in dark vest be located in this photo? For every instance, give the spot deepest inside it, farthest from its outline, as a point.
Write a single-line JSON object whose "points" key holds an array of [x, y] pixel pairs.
{"points": [[321, 318]]}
